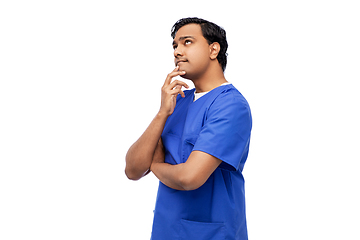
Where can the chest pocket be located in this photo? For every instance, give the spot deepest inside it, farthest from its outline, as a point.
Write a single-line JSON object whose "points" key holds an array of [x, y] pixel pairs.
{"points": [[191, 230], [187, 146]]}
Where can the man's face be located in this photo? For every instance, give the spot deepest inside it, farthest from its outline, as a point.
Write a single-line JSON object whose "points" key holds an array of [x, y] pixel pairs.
{"points": [[191, 51]]}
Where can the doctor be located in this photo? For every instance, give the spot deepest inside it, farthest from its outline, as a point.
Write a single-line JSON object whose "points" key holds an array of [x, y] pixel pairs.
{"points": [[198, 142]]}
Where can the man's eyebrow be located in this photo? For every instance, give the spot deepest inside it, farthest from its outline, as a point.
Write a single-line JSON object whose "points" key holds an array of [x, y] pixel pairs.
{"points": [[182, 38]]}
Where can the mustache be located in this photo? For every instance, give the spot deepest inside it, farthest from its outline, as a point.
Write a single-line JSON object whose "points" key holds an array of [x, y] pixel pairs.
{"points": [[177, 60]]}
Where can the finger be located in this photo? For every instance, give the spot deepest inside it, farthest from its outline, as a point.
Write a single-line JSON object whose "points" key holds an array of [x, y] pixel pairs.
{"points": [[177, 82], [174, 73], [182, 93], [178, 87], [171, 75], [177, 90]]}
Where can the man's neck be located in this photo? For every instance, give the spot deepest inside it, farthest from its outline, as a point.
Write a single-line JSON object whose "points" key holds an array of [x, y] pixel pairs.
{"points": [[209, 81]]}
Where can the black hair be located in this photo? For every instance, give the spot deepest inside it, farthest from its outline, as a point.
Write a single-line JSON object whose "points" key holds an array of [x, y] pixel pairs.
{"points": [[211, 32]]}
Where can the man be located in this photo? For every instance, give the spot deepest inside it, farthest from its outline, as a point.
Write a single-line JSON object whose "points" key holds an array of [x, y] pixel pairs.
{"points": [[198, 142]]}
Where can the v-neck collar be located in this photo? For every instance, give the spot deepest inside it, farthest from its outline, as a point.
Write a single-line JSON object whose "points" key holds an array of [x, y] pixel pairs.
{"points": [[199, 95]]}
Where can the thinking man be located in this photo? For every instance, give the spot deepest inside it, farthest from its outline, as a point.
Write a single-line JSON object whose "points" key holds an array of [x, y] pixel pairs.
{"points": [[198, 142]]}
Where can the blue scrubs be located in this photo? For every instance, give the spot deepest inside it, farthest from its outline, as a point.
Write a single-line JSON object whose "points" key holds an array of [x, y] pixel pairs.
{"points": [[218, 123]]}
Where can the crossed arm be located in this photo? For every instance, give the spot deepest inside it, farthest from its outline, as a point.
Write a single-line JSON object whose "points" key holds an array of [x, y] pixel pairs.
{"points": [[185, 176], [144, 157], [147, 153]]}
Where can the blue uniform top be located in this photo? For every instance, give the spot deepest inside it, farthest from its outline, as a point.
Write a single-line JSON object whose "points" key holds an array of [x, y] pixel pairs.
{"points": [[219, 123]]}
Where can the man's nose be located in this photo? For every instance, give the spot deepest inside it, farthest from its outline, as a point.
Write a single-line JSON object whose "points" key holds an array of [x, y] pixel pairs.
{"points": [[178, 51]]}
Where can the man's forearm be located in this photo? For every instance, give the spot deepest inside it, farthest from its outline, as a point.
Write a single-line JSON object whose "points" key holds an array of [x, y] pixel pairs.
{"points": [[170, 175], [186, 176], [140, 154]]}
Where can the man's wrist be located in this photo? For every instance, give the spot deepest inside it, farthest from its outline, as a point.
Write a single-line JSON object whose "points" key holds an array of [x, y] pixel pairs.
{"points": [[162, 114], [153, 166]]}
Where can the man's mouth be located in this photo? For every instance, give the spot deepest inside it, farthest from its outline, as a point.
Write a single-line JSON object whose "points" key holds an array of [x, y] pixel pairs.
{"points": [[179, 61]]}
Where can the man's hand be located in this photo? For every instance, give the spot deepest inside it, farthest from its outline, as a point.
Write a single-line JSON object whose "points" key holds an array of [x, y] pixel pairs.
{"points": [[170, 90]]}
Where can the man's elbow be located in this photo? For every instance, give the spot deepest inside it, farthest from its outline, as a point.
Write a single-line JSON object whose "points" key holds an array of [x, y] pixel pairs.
{"points": [[131, 171], [189, 183], [132, 174]]}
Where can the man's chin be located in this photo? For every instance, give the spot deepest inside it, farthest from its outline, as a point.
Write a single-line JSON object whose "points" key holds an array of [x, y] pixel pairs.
{"points": [[187, 74]]}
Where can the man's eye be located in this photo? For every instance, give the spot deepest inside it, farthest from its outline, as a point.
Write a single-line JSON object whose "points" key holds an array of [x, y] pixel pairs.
{"points": [[187, 42], [174, 47]]}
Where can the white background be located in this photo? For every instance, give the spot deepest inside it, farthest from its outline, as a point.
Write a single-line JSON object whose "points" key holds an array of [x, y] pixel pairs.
{"points": [[80, 82]]}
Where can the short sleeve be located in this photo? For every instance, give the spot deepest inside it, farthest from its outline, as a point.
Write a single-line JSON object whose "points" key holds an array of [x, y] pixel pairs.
{"points": [[226, 130]]}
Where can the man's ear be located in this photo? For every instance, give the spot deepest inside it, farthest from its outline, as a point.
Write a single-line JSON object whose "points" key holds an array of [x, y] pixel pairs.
{"points": [[214, 50]]}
